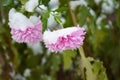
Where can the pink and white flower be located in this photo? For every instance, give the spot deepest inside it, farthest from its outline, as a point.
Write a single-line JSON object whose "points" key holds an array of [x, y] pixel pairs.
{"points": [[23, 29], [63, 39]]}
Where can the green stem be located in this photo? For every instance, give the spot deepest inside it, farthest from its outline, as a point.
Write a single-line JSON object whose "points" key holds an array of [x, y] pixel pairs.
{"points": [[81, 51], [72, 15]]}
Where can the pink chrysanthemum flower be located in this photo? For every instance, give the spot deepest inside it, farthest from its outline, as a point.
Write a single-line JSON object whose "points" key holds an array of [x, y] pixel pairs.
{"points": [[63, 39], [24, 30]]}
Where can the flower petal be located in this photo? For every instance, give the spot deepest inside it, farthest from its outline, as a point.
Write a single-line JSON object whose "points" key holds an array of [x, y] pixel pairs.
{"points": [[30, 35]]}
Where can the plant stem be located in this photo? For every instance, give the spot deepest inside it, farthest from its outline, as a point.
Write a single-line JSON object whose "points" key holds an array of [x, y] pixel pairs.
{"points": [[72, 15], [81, 51]]}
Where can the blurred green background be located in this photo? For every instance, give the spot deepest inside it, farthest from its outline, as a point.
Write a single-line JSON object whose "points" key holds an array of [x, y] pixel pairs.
{"points": [[102, 42]]}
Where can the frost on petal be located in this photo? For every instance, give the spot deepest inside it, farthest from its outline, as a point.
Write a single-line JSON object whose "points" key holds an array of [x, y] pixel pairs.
{"points": [[69, 38], [30, 35], [30, 5]]}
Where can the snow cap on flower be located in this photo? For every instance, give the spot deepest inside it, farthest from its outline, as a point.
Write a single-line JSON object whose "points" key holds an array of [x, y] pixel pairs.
{"points": [[23, 29], [30, 5], [63, 39]]}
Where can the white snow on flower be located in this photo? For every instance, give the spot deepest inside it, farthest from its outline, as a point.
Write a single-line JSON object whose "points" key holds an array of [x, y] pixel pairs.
{"points": [[30, 5], [51, 22], [55, 34], [41, 8], [97, 1], [108, 6], [27, 72], [64, 39], [36, 48], [34, 19], [19, 21], [23, 29], [76, 3], [54, 4]]}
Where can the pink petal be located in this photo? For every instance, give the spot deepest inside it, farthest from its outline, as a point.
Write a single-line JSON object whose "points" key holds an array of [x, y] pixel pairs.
{"points": [[30, 35]]}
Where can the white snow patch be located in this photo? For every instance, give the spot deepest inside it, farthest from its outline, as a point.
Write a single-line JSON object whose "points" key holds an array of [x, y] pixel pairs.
{"points": [[36, 48], [19, 21], [76, 3], [108, 6], [51, 37], [27, 72], [54, 4], [30, 5]]}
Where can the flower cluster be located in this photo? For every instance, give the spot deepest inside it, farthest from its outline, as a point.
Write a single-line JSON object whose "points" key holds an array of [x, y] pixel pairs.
{"points": [[29, 30]]}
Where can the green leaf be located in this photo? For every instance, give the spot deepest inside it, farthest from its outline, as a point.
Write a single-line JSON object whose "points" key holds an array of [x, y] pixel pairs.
{"points": [[84, 12], [67, 58], [34, 60], [98, 38], [45, 17], [57, 19], [45, 2], [23, 1], [62, 9], [7, 2], [55, 61], [99, 70], [63, 2], [94, 69]]}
